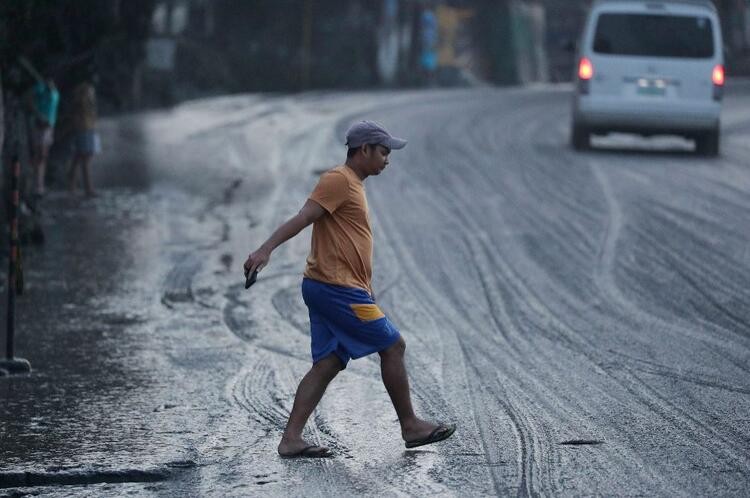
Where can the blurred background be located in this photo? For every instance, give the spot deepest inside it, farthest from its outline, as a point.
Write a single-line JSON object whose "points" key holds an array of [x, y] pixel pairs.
{"points": [[576, 302], [150, 53]]}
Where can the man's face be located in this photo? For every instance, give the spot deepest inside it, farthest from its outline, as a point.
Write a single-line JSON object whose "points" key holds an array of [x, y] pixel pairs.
{"points": [[378, 158]]}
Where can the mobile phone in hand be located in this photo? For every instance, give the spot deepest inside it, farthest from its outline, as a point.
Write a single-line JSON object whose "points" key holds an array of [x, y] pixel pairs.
{"points": [[250, 279]]}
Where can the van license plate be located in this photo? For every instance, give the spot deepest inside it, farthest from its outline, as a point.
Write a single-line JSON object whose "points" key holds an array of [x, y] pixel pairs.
{"points": [[651, 87]]}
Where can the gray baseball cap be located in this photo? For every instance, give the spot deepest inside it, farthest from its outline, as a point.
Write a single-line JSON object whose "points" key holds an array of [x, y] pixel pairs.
{"points": [[370, 132]]}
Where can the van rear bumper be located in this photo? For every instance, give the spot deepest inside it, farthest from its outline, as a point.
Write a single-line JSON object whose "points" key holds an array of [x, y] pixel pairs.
{"points": [[616, 114]]}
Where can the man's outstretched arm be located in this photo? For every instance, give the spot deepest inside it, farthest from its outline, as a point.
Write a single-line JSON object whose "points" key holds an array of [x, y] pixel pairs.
{"points": [[310, 212]]}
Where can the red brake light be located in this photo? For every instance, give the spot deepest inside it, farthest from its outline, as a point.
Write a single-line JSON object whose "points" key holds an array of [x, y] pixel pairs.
{"points": [[718, 75], [586, 69]]}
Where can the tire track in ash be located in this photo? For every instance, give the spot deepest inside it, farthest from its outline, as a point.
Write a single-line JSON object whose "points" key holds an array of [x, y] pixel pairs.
{"points": [[605, 277], [287, 303], [535, 199], [653, 368], [611, 234], [178, 282], [501, 277], [701, 434], [714, 331], [710, 279], [675, 168], [266, 389], [637, 316], [530, 447], [264, 392], [521, 204], [483, 421], [257, 391], [254, 325], [476, 235], [522, 425], [737, 320], [504, 273], [669, 412], [604, 272]]}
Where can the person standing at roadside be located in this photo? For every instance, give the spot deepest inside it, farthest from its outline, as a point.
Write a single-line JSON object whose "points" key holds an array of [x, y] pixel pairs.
{"points": [[43, 101], [345, 322], [86, 142]]}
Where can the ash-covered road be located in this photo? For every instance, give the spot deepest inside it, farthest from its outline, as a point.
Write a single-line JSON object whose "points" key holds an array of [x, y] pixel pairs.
{"points": [[581, 316]]}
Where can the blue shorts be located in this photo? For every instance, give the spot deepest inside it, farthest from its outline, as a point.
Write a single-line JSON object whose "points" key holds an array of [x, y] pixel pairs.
{"points": [[87, 142], [345, 321]]}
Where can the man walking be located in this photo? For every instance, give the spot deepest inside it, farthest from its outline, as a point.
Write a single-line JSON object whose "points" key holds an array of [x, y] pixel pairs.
{"points": [[345, 322]]}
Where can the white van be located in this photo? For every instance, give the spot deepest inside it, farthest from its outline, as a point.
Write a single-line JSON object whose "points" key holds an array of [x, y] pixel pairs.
{"points": [[650, 67]]}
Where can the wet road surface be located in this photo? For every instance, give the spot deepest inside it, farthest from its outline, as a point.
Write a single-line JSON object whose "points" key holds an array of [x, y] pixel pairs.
{"points": [[580, 315]]}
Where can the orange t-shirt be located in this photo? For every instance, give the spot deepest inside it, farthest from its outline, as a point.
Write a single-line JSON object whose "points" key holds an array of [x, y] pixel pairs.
{"points": [[341, 249]]}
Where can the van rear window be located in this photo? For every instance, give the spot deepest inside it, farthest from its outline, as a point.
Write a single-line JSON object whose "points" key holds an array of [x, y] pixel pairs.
{"points": [[654, 35]]}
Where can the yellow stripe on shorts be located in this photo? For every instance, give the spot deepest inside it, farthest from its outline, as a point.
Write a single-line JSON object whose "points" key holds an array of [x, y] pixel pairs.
{"points": [[367, 312]]}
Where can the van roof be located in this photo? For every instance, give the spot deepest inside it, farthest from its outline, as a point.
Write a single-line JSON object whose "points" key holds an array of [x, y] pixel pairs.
{"points": [[656, 4]]}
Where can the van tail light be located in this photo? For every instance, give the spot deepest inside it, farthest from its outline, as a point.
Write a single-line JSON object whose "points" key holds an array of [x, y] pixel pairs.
{"points": [[586, 69], [717, 76], [585, 73]]}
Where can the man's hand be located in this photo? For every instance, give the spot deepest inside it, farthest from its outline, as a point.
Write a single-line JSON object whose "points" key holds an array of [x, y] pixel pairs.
{"points": [[256, 261]]}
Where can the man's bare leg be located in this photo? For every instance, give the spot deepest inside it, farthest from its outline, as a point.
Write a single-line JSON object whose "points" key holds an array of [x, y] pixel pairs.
{"points": [[73, 173], [309, 393], [396, 382], [40, 173], [39, 163], [86, 170]]}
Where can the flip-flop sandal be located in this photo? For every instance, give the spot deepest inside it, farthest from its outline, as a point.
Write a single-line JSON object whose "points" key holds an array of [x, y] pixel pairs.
{"points": [[308, 452], [440, 433]]}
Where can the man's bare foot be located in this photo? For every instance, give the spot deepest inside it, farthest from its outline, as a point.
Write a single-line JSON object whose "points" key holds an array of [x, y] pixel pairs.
{"points": [[290, 448]]}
